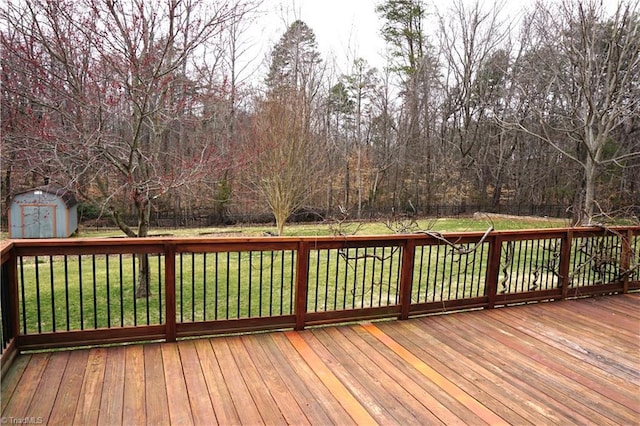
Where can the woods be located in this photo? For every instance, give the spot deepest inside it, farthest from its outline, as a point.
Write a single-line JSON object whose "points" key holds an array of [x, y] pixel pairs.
{"points": [[147, 105]]}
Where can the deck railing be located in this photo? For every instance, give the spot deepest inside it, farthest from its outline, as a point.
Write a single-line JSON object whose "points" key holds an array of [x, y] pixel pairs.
{"points": [[74, 292]]}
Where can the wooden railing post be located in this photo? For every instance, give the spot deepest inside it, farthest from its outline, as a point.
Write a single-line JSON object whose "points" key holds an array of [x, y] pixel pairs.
{"points": [[565, 261], [302, 277], [170, 291], [406, 277], [493, 270], [625, 259], [10, 300]]}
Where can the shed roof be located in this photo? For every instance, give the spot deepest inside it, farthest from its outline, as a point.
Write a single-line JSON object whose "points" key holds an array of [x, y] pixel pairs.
{"points": [[67, 196]]}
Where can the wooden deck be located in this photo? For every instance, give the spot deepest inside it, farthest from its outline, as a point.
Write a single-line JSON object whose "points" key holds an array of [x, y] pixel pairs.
{"points": [[570, 362]]}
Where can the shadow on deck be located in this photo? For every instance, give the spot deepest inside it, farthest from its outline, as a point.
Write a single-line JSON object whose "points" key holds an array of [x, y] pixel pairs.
{"points": [[568, 362]]}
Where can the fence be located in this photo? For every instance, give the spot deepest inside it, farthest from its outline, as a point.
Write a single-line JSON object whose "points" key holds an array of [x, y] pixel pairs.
{"points": [[75, 292], [206, 217]]}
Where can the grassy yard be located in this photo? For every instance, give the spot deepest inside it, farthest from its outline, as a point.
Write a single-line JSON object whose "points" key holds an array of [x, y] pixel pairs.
{"points": [[458, 224]]}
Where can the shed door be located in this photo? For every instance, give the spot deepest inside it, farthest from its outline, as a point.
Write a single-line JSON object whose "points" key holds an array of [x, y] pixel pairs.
{"points": [[37, 221]]}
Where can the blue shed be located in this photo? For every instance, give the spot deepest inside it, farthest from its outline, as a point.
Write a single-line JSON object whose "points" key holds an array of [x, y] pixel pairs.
{"points": [[48, 211]]}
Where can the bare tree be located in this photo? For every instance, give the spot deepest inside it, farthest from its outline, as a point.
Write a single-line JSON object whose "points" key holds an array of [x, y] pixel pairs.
{"points": [[475, 60], [113, 91], [589, 65], [285, 162], [286, 155]]}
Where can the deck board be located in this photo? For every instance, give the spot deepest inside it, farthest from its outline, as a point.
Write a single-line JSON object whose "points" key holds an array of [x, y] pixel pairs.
{"points": [[112, 400], [242, 399], [567, 362], [273, 381], [11, 379], [68, 397], [91, 391], [134, 407], [199, 398], [156, 403], [221, 401]]}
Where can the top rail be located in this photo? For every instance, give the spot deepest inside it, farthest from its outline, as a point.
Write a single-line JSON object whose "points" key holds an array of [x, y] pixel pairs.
{"points": [[63, 292]]}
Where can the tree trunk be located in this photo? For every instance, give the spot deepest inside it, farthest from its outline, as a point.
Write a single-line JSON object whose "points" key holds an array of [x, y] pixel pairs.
{"points": [[144, 274], [143, 287], [590, 172], [281, 219]]}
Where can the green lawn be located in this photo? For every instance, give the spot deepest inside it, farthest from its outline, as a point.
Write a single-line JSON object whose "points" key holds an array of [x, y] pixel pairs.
{"points": [[460, 224]]}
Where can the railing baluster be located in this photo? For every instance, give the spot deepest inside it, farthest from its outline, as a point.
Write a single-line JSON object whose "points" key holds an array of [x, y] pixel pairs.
{"points": [[271, 286], [250, 286], [239, 284], [336, 279], [180, 256], [39, 308], [107, 279], [80, 292], [133, 293], [317, 283], [216, 281], [66, 291], [160, 297], [121, 291], [53, 294], [292, 269], [260, 276], [228, 285], [95, 291], [204, 286], [148, 285], [193, 286]]}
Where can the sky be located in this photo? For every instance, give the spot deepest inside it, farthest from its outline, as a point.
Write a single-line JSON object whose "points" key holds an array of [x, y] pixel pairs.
{"points": [[344, 29]]}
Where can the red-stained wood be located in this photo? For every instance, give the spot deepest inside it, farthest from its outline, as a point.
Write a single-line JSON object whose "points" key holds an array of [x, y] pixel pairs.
{"points": [[199, 398], [316, 387], [430, 354], [156, 401], [258, 390], [613, 352], [485, 386], [355, 369], [449, 387], [170, 292], [112, 402], [223, 406], [277, 384], [68, 398], [316, 409], [11, 378], [568, 362], [238, 390], [302, 266], [176, 387], [406, 278], [91, 391], [621, 403], [503, 370], [570, 395], [425, 406], [622, 306], [354, 408], [45, 395], [135, 407]]}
